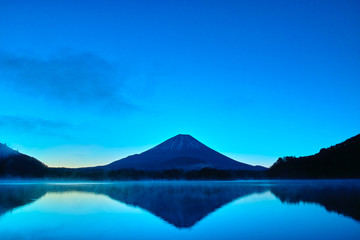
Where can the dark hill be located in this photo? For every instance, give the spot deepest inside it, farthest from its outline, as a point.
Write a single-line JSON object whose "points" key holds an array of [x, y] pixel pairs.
{"points": [[15, 164], [5, 151], [339, 161], [180, 152]]}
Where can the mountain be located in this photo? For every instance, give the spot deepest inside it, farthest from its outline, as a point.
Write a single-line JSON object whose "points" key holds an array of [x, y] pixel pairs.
{"points": [[5, 151], [180, 152], [16, 164], [339, 161]]}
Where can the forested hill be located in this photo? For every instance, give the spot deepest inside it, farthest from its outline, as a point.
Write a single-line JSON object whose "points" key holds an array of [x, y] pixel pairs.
{"points": [[20, 165], [339, 161]]}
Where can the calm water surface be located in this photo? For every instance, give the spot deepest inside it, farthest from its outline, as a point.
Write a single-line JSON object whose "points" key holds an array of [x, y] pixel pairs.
{"points": [[181, 210]]}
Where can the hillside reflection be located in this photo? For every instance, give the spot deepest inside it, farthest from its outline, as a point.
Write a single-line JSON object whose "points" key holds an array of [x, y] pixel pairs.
{"points": [[183, 204], [342, 197]]}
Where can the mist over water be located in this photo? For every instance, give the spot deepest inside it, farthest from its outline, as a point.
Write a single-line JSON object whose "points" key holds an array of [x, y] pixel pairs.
{"points": [[181, 210]]}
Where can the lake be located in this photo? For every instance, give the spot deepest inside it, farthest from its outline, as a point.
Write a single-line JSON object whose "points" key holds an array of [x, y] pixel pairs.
{"points": [[180, 210]]}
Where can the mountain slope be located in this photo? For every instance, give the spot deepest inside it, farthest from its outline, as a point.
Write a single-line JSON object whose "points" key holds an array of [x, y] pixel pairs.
{"points": [[180, 152], [339, 161], [16, 164], [5, 151]]}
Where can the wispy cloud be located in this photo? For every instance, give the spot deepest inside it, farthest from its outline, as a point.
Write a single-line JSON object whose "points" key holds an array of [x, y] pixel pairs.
{"points": [[34, 125], [84, 80]]}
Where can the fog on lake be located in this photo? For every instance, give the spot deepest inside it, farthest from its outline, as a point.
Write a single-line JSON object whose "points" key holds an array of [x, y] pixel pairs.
{"points": [[180, 210]]}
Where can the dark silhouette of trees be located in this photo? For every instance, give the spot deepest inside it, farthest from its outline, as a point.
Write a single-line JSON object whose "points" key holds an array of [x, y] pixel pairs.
{"points": [[21, 165], [339, 161]]}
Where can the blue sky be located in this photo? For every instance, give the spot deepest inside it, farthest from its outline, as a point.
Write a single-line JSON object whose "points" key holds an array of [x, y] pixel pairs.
{"points": [[88, 82]]}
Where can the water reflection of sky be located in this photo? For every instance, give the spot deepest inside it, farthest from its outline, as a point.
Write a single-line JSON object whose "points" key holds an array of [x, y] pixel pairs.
{"points": [[83, 214]]}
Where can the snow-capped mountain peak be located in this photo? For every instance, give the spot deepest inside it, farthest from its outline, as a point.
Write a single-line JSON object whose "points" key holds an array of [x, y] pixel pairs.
{"points": [[179, 143], [179, 152]]}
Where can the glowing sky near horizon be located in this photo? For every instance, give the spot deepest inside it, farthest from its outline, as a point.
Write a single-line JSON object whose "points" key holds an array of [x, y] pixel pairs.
{"points": [[87, 82]]}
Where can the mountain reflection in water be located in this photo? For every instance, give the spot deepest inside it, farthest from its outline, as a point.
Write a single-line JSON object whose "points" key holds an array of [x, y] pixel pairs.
{"points": [[183, 204]]}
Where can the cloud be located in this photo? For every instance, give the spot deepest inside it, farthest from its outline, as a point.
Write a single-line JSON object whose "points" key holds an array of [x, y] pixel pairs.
{"points": [[34, 125], [84, 80]]}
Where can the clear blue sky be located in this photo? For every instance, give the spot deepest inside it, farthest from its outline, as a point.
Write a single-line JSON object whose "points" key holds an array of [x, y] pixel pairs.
{"points": [[88, 82]]}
